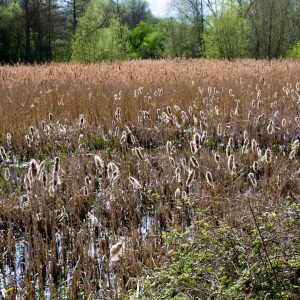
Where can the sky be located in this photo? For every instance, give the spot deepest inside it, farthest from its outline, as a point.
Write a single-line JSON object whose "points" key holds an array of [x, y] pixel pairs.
{"points": [[158, 7]]}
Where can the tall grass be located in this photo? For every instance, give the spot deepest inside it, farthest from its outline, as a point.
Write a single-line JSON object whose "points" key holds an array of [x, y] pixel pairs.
{"points": [[98, 161]]}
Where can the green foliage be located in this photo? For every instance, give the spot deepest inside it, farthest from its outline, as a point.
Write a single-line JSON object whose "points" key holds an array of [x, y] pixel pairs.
{"points": [[227, 36], [231, 264], [10, 32], [145, 41], [294, 52], [98, 36]]}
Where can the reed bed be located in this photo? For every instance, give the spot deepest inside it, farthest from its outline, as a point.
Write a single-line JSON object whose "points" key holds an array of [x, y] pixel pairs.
{"points": [[97, 162]]}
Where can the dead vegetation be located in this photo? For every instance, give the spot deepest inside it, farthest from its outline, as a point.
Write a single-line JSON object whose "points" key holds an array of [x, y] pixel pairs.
{"points": [[98, 161]]}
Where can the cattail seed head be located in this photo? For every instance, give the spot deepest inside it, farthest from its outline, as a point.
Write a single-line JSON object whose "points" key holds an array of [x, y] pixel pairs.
{"points": [[177, 193], [178, 174], [51, 190], [3, 155], [193, 147], [172, 161], [27, 183], [194, 162], [8, 139], [295, 145], [271, 127], [255, 166], [138, 153], [56, 164], [6, 174], [134, 182], [252, 179], [253, 145], [217, 158], [169, 147], [209, 179], [190, 178], [231, 164], [219, 130], [197, 140], [268, 156], [228, 150], [115, 252], [99, 163], [33, 169]]}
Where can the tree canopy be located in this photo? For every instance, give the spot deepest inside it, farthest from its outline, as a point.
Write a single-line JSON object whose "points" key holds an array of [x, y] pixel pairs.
{"points": [[96, 30]]}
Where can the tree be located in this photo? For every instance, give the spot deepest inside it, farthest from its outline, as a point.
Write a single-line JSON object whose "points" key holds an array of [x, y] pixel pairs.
{"points": [[275, 26], [10, 32], [146, 42], [192, 12], [227, 34], [97, 33]]}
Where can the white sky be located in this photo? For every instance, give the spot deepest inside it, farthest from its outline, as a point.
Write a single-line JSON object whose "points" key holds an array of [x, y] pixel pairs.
{"points": [[158, 7]]}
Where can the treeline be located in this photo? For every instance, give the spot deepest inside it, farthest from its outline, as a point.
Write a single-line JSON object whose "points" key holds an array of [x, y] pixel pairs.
{"points": [[95, 30]]}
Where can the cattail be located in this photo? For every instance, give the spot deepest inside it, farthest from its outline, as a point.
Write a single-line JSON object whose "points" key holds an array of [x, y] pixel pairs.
{"points": [[209, 179], [87, 180], [230, 143], [51, 190], [27, 183], [231, 164], [123, 137], [176, 107], [118, 114], [177, 193], [8, 139], [197, 140], [146, 115], [169, 147], [268, 156], [219, 130], [43, 123], [99, 163], [292, 154], [81, 122], [259, 152], [255, 166], [56, 164], [253, 145], [169, 111], [217, 158], [138, 153], [184, 196], [271, 128], [113, 172], [278, 181], [115, 252], [85, 191], [295, 145], [3, 155], [44, 178], [50, 117], [194, 162], [135, 183], [249, 115], [6, 174], [34, 169], [193, 147], [252, 179], [178, 174], [190, 178], [228, 150], [245, 146], [172, 161], [283, 122]]}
